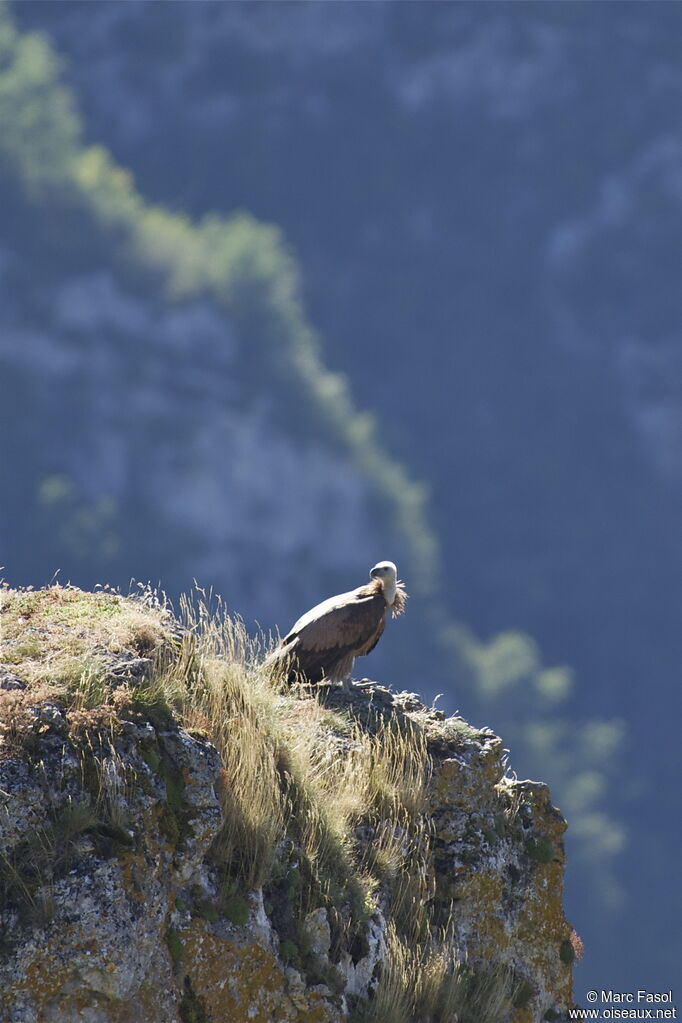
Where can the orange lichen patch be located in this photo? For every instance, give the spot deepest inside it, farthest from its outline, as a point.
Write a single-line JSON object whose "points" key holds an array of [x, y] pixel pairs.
{"points": [[521, 923], [541, 925], [133, 870], [542, 917], [47, 975], [151, 1004], [448, 783], [241, 980], [482, 906], [455, 783], [69, 975], [541, 929]]}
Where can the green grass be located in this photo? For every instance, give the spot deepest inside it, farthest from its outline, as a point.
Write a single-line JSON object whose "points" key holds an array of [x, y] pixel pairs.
{"points": [[175, 946], [67, 639]]}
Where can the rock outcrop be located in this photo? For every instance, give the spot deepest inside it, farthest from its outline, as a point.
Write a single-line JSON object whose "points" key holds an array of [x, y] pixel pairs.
{"points": [[116, 904]]}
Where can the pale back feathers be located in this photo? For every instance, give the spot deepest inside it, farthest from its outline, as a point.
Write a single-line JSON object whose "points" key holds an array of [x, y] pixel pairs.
{"points": [[325, 641]]}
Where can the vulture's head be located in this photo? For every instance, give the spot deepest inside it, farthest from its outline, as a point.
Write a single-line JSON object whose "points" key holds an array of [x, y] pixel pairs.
{"points": [[387, 574], [386, 571]]}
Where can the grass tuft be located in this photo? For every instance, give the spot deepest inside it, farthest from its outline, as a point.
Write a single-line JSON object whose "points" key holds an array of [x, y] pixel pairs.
{"points": [[426, 982]]}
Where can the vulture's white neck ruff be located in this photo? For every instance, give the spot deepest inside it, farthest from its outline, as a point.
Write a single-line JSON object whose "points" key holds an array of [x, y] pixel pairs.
{"points": [[389, 587]]}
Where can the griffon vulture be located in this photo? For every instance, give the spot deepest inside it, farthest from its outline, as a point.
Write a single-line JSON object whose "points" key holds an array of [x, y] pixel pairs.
{"points": [[326, 640]]}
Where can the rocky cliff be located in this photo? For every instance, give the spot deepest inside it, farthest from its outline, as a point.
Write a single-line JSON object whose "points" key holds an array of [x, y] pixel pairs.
{"points": [[182, 841]]}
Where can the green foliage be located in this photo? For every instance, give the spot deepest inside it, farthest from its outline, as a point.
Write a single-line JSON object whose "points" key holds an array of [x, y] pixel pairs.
{"points": [[540, 849], [566, 952], [40, 129], [192, 1008], [175, 946], [523, 994], [152, 758], [206, 909], [290, 952], [175, 785], [235, 908], [173, 822]]}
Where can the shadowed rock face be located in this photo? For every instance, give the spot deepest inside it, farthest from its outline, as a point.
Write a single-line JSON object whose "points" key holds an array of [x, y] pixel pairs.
{"points": [[118, 915]]}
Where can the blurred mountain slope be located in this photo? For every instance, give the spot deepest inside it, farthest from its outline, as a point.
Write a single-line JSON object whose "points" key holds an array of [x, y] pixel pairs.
{"points": [[147, 346]]}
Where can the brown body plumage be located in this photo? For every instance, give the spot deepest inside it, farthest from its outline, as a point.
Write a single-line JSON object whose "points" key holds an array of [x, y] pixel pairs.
{"points": [[325, 641]]}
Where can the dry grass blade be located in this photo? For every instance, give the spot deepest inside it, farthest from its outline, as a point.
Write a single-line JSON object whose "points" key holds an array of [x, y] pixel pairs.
{"points": [[224, 695]]}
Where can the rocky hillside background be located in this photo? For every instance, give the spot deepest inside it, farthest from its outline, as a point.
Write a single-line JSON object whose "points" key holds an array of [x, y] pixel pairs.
{"points": [[483, 201], [182, 842]]}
